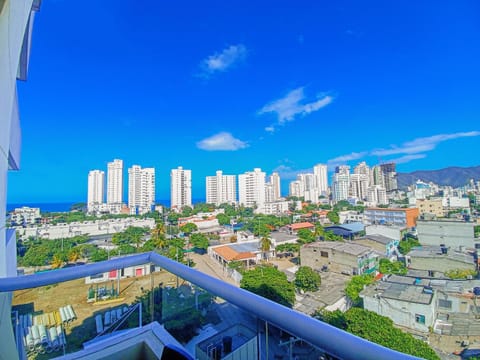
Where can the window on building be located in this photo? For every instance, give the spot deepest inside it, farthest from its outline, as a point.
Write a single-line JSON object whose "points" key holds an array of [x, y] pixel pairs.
{"points": [[324, 254], [446, 304], [420, 318]]}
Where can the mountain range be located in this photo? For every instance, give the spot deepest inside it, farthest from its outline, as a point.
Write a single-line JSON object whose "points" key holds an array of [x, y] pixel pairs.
{"points": [[451, 176]]}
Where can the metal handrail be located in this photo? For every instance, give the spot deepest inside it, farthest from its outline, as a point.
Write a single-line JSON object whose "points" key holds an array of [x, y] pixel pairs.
{"points": [[333, 341]]}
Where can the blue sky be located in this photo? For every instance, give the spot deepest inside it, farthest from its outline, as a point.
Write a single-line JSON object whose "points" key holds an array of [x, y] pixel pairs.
{"points": [[235, 85]]}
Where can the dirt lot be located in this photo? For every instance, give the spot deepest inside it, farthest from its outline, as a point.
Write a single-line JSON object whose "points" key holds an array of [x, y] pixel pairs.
{"points": [[50, 298]]}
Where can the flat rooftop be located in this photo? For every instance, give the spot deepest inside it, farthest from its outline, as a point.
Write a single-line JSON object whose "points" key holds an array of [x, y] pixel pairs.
{"points": [[436, 252], [400, 292], [347, 248]]}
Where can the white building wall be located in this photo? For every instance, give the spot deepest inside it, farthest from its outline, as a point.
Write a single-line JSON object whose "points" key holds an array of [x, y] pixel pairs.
{"points": [[252, 188], [96, 188], [221, 189], [275, 181], [115, 182], [321, 178], [402, 312], [180, 188], [16, 19]]}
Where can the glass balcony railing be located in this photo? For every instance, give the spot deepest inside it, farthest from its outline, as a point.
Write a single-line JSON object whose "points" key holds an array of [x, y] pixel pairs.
{"points": [[148, 306]]}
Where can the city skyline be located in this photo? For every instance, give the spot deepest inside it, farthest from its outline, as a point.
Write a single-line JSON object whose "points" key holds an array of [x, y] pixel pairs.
{"points": [[333, 85]]}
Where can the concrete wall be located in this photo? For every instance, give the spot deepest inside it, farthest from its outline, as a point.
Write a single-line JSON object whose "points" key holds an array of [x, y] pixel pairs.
{"points": [[392, 232], [336, 261], [440, 263], [453, 234], [401, 312]]}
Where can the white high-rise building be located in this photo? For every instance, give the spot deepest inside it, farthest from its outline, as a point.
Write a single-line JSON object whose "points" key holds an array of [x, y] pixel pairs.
{"points": [[141, 189], [275, 182], [341, 183], [251, 188], [115, 182], [321, 178], [377, 195], [221, 189], [296, 188], [359, 186], [96, 189], [180, 188]]}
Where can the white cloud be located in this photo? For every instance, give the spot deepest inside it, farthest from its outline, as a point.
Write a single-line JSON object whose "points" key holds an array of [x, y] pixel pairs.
{"points": [[290, 106], [407, 158], [224, 60], [424, 144], [287, 172], [410, 150], [340, 160], [222, 141]]}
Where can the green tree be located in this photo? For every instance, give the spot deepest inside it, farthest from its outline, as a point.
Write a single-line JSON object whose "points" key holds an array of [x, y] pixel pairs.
{"points": [[407, 244], [378, 329], [307, 279], [223, 219], [188, 228], [265, 245], [158, 236], [270, 283], [261, 230], [199, 241], [396, 267], [305, 236], [287, 247], [333, 217], [460, 274], [355, 286]]}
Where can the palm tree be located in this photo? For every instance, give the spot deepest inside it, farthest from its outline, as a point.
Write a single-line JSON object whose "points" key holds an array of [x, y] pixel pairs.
{"points": [[57, 262], [265, 245], [158, 236]]}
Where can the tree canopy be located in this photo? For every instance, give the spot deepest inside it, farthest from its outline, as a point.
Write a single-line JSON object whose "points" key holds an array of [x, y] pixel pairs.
{"points": [[355, 286], [396, 267], [307, 279], [305, 236], [270, 283], [378, 329]]}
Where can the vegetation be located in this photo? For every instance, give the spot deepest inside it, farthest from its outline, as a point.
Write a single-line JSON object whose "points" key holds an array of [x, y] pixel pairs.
{"points": [[407, 244], [460, 274], [333, 217], [265, 245], [476, 230], [188, 228], [199, 241], [287, 247], [378, 329], [396, 267], [305, 236], [355, 286], [307, 279], [270, 283]]}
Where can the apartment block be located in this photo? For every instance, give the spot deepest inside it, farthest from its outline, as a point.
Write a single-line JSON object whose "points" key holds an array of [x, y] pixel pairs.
{"points": [[141, 189], [180, 188], [403, 217], [251, 188], [221, 189], [115, 182]]}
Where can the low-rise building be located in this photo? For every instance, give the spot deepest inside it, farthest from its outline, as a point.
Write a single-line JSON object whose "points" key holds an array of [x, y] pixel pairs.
{"points": [[347, 231], [403, 217], [454, 234], [273, 208], [439, 259], [382, 244], [97, 227], [25, 216], [407, 305], [350, 216], [293, 228], [432, 206], [348, 258], [390, 231]]}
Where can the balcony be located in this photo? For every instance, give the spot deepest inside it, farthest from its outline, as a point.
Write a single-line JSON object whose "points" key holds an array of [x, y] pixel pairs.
{"points": [[223, 315]]}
